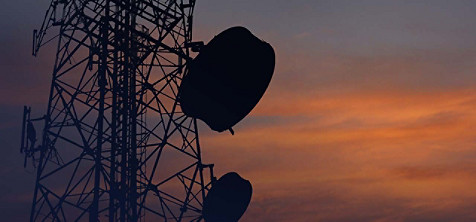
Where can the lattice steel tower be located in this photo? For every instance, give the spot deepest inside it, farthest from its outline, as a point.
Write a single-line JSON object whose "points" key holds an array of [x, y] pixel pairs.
{"points": [[115, 144]]}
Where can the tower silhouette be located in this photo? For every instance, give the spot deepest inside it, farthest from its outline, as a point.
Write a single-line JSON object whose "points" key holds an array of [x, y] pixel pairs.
{"points": [[119, 140], [114, 144]]}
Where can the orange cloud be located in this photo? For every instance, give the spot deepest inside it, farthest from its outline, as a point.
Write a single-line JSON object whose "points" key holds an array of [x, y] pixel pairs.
{"points": [[364, 156]]}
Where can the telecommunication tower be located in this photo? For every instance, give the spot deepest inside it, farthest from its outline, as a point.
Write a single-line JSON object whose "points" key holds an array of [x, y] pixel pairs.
{"points": [[115, 145], [119, 140]]}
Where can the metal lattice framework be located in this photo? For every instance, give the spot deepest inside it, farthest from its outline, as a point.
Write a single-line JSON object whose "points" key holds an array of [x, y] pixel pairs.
{"points": [[115, 144]]}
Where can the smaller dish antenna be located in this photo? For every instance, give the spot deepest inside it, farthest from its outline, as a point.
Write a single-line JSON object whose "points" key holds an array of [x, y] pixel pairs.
{"points": [[228, 199]]}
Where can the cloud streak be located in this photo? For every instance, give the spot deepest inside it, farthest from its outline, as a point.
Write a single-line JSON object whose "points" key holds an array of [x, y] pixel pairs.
{"points": [[370, 156]]}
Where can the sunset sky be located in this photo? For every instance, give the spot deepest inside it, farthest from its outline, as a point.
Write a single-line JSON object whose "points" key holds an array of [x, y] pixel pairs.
{"points": [[370, 115]]}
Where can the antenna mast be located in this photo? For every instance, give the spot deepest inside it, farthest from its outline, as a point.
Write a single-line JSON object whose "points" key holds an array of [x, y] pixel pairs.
{"points": [[115, 144]]}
